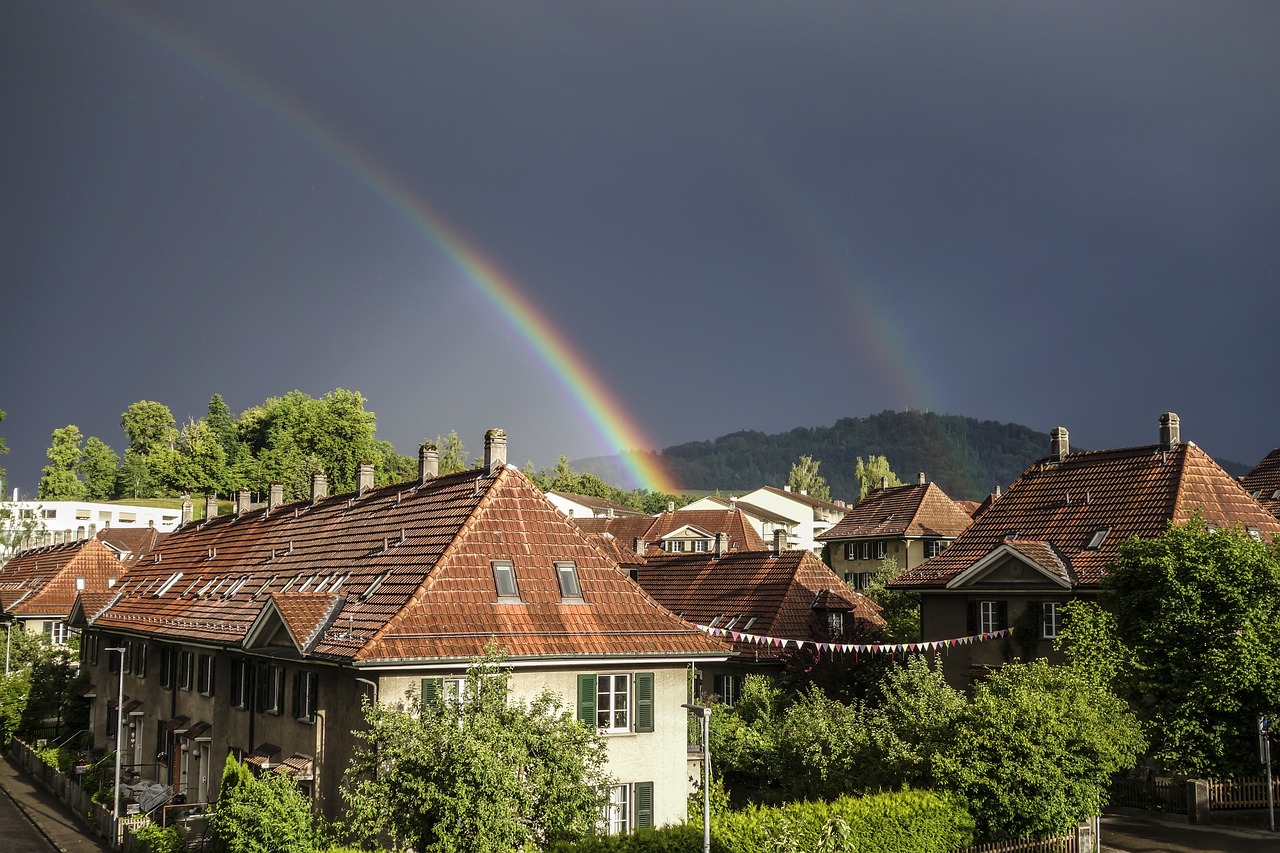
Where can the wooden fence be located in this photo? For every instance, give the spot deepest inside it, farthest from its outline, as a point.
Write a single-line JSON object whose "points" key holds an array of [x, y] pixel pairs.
{"points": [[1152, 796], [1241, 794], [1058, 844]]}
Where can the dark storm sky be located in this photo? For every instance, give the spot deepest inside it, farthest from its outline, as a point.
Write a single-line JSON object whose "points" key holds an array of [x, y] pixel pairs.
{"points": [[740, 215]]}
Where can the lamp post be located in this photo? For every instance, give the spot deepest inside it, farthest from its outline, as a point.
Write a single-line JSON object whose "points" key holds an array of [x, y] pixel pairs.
{"points": [[705, 713], [115, 806]]}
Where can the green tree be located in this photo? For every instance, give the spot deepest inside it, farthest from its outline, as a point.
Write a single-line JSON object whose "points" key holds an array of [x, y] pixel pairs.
{"points": [[804, 478], [476, 772], [1035, 749], [872, 473], [900, 610], [1195, 613], [136, 479], [149, 469], [58, 481], [453, 456], [99, 469], [266, 815], [149, 426], [909, 723], [200, 464]]}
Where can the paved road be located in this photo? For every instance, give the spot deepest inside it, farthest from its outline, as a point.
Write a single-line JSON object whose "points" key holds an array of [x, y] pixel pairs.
{"points": [[17, 834], [1125, 834]]}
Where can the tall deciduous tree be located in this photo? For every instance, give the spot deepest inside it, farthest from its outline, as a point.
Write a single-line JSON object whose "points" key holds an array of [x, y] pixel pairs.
{"points": [[58, 481], [98, 469], [872, 473], [453, 456], [476, 771], [1195, 623], [149, 426], [804, 477]]}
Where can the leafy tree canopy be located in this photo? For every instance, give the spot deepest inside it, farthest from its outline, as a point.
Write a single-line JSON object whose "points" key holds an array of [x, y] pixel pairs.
{"points": [[873, 474], [476, 771], [260, 815], [804, 478], [1196, 641], [99, 470], [58, 481]]}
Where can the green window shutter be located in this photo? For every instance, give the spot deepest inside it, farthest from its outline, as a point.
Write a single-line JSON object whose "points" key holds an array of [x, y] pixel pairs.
{"points": [[1002, 615], [644, 701], [587, 698], [644, 805], [297, 694], [972, 624], [431, 690]]}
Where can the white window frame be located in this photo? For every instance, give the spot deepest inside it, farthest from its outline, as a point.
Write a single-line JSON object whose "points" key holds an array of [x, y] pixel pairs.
{"points": [[59, 633], [988, 617], [1050, 619], [504, 581], [934, 547], [618, 812], [570, 583], [613, 702], [700, 546]]}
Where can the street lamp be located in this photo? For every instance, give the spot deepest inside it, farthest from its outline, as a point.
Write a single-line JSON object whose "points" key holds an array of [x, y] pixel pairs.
{"points": [[115, 807], [705, 713]]}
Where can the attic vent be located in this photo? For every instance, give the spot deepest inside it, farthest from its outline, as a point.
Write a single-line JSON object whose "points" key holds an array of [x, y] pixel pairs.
{"points": [[715, 621], [734, 621], [164, 587], [1099, 536]]}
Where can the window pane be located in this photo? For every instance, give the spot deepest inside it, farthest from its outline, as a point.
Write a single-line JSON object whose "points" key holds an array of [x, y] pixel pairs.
{"points": [[567, 574]]}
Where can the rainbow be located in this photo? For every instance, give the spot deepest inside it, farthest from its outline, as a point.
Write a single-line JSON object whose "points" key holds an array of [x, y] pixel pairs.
{"points": [[610, 419]]}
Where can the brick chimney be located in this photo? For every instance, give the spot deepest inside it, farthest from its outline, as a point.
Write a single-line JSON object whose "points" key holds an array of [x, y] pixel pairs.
{"points": [[428, 463], [1170, 431], [188, 510], [1059, 443], [364, 477], [210, 507], [242, 502], [637, 545], [275, 496], [319, 487], [495, 450], [884, 482]]}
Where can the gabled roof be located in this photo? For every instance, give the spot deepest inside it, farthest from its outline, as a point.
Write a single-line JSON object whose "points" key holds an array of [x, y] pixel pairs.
{"points": [[42, 581], [783, 593], [915, 510], [1263, 482], [748, 508], [806, 499], [740, 534], [399, 573], [599, 506], [131, 543], [1078, 510]]}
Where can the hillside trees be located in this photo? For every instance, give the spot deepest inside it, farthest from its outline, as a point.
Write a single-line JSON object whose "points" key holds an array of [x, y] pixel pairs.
{"points": [[98, 470], [1196, 642], [476, 771]]}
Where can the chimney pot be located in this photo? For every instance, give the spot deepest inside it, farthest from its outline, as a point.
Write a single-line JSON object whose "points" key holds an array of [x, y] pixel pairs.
{"points": [[495, 450], [1059, 443], [242, 502], [428, 463], [364, 477], [319, 487], [637, 545], [210, 507], [720, 544], [275, 496], [920, 479], [671, 506], [884, 482], [1170, 431]]}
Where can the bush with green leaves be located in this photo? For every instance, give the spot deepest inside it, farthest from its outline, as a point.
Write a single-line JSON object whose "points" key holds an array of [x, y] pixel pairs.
{"points": [[152, 838], [260, 815]]}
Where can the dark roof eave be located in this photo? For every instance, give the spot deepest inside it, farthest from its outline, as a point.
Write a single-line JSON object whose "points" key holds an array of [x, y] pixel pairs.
{"points": [[396, 663]]}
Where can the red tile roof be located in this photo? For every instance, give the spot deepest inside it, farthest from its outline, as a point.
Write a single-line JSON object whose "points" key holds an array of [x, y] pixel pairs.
{"points": [[138, 542], [42, 581], [757, 592], [1263, 482], [742, 536], [400, 573], [914, 510], [816, 503], [1056, 510]]}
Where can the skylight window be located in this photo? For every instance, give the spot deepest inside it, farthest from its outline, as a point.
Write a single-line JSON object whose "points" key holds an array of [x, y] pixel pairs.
{"points": [[750, 622], [1275, 496], [567, 575], [164, 587], [734, 621], [1254, 533], [1099, 536], [373, 587], [504, 579]]}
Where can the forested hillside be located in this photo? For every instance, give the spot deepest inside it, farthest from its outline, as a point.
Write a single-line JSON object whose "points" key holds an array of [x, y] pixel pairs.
{"points": [[968, 458]]}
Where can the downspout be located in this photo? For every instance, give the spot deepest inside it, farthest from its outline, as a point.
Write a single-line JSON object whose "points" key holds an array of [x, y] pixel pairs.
{"points": [[371, 684]]}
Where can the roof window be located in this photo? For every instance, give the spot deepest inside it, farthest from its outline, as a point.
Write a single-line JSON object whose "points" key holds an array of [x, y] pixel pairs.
{"points": [[1099, 536], [373, 587], [751, 621], [1254, 533], [504, 578], [1011, 536], [168, 584], [567, 575]]}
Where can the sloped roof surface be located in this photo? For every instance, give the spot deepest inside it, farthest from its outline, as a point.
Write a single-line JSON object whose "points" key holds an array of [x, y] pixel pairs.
{"points": [[650, 529], [806, 499], [913, 510], [42, 581], [779, 590], [399, 572], [597, 504], [1263, 482], [1065, 505], [139, 542]]}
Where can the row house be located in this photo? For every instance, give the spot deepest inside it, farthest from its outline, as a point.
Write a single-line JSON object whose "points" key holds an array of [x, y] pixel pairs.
{"points": [[260, 633], [906, 524], [1053, 535], [38, 587]]}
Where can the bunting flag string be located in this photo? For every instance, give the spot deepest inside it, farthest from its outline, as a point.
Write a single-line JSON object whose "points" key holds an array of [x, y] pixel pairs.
{"points": [[856, 648]]}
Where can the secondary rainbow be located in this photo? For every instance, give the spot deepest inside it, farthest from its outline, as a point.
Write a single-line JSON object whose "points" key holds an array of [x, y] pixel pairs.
{"points": [[592, 396]]}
